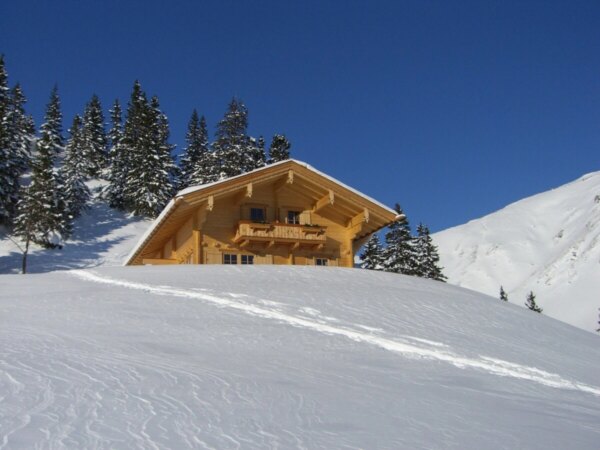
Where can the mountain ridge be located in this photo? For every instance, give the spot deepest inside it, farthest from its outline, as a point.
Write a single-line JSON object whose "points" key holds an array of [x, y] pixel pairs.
{"points": [[548, 243]]}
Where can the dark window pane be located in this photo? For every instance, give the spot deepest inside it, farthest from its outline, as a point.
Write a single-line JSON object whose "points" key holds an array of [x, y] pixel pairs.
{"points": [[293, 217], [229, 258], [257, 214]]}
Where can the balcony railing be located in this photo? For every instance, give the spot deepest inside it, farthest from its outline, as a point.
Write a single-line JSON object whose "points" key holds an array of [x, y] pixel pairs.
{"points": [[248, 231]]}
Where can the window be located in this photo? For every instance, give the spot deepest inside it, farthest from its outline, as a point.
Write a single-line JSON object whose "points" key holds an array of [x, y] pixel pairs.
{"points": [[257, 214], [247, 259], [229, 258], [293, 217], [320, 261]]}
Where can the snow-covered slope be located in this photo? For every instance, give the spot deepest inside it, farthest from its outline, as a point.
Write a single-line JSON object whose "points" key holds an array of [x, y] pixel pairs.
{"points": [[101, 236], [285, 357], [548, 243]]}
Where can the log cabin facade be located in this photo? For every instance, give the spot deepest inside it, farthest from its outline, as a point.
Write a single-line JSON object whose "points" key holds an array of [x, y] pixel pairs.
{"points": [[283, 213]]}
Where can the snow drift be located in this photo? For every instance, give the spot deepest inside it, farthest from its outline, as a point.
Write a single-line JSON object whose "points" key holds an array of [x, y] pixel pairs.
{"points": [[280, 356]]}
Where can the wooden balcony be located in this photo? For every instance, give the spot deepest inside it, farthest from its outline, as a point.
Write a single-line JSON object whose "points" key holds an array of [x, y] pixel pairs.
{"points": [[279, 233]]}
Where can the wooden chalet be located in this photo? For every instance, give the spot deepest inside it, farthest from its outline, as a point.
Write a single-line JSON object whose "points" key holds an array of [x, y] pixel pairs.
{"points": [[283, 213]]}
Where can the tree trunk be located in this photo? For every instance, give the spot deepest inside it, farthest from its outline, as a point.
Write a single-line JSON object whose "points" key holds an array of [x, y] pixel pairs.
{"points": [[24, 264]]}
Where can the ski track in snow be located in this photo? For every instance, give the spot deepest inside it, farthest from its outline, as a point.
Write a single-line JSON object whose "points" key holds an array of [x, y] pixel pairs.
{"points": [[491, 365]]}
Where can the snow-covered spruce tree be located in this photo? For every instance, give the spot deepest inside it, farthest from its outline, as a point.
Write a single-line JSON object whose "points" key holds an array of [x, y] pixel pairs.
{"points": [[258, 157], [8, 187], [23, 129], [531, 304], [118, 166], [279, 149], [232, 145], [25, 224], [94, 138], [42, 216], [426, 254], [73, 171], [503, 294], [51, 129], [132, 144], [399, 255], [150, 180], [372, 255], [16, 135], [165, 148], [197, 162]]}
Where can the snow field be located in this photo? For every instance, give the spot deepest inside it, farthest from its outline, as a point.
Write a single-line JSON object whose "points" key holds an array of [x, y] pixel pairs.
{"points": [[293, 357]]}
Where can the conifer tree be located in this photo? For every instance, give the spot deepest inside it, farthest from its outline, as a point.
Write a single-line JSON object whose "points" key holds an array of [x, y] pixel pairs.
{"points": [[22, 130], [399, 255], [94, 138], [74, 169], [279, 149], [117, 160], [165, 149], [531, 304], [598, 330], [7, 186], [257, 154], [16, 135], [150, 179], [426, 255], [51, 129], [372, 256], [503, 294], [42, 215], [133, 141], [197, 163], [25, 224], [232, 145]]}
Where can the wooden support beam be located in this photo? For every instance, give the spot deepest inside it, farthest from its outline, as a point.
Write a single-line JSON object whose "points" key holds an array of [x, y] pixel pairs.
{"points": [[324, 201], [362, 217], [245, 194], [356, 224], [211, 202], [288, 180], [197, 247]]}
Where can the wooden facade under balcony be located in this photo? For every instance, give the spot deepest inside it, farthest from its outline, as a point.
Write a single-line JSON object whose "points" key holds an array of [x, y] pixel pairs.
{"points": [[284, 213]]}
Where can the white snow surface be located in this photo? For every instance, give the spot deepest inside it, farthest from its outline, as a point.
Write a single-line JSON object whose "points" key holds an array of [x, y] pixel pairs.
{"points": [[548, 243], [285, 357]]}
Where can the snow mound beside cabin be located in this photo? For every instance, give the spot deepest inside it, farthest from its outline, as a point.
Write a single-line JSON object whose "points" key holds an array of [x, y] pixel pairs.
{"points": [[288, 357], [548, 243]]}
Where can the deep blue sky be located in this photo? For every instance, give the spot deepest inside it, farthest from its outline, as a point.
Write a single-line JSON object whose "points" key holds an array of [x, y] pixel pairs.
{"points": [[453, 109]]}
